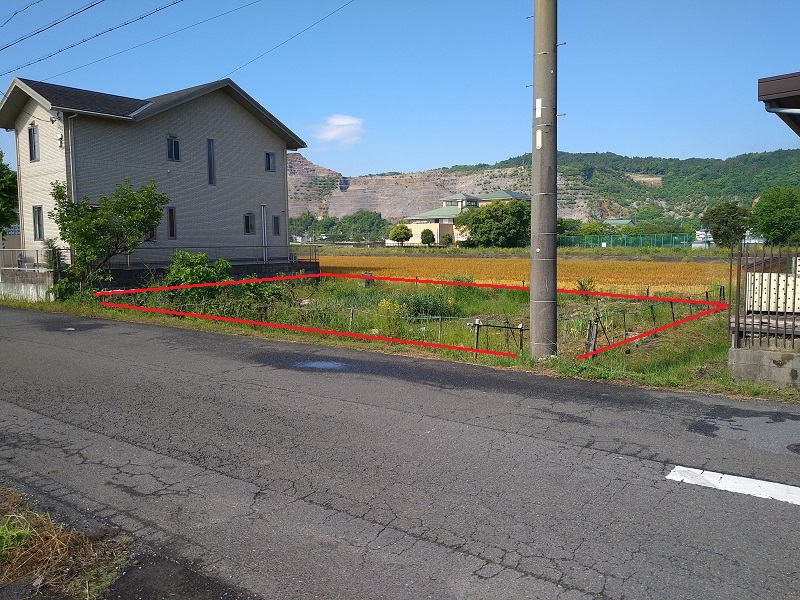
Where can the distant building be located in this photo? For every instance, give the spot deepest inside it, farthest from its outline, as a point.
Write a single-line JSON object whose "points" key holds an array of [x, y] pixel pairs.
{"points": [[503, 196], [440, 220], [619, 222]]}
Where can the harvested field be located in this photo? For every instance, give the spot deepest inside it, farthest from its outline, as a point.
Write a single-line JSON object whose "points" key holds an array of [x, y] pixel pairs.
{"points": [[620, 276]]}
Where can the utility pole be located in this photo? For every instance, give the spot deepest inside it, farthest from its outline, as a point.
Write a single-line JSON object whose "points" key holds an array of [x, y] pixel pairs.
{"points": [[543, 183]]}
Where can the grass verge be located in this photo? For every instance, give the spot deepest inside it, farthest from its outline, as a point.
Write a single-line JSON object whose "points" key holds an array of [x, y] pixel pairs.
{"points": [[51, 556], [690, 357]]}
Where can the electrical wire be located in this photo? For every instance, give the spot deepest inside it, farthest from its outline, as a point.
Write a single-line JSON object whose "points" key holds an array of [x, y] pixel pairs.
{"points": [[5, 96], [161, 37], [96, 35], [16, 12], [286, 41], [53, 24], [190, 27]]}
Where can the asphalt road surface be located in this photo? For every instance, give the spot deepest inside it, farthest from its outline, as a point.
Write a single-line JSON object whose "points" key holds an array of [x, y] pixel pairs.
{"points": [[300, 471]]}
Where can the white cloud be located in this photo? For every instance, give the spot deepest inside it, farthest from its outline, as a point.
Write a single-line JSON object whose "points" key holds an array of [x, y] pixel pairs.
{"points": [[342, 129]]}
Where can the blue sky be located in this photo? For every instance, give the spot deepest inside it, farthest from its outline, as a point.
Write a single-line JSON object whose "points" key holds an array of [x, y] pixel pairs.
{"points": [[406, 86]]}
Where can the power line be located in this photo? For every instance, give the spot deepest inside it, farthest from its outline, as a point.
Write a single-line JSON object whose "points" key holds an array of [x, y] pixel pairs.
{"points": [[53, 24], [290, 39], [190, 27], [161, 37], [96, 35], [4, 94], [16, 12]]}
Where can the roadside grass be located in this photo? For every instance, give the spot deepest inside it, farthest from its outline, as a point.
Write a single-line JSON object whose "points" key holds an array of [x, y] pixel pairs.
{"points": [[691, 356], [33, 547]]}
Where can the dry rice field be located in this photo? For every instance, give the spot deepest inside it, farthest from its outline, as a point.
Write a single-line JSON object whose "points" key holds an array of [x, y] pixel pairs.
{"points": [[620, 276]]}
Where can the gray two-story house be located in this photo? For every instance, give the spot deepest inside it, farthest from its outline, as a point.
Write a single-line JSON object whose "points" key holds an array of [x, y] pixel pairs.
{"points": [[217, 154]]}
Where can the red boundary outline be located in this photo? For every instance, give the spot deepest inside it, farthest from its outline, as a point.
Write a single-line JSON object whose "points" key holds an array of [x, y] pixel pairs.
{"points": [[715, 307]]}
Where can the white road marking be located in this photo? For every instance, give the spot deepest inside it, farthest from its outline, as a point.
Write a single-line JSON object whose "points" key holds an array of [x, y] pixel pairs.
{"points": [[738, 485]]}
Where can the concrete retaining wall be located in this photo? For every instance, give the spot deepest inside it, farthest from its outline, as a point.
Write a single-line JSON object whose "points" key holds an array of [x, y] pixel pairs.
{"points": [[25, 285], [773, 367]]}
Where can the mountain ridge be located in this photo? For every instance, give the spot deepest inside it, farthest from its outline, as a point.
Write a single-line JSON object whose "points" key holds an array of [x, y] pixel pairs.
{"points": [[591, 186]]}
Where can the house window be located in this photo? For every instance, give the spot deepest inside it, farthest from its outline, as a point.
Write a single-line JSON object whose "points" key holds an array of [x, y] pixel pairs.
{"points": [[212, 166], [270, 161], [249, 223], [276, 225], [33, 142], [171, 226], [451, 202], [173, 149], [38, 223], [472, 203]]}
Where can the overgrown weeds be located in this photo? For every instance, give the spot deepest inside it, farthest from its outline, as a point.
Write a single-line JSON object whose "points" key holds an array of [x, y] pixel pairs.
{"points": [[34, 547]]}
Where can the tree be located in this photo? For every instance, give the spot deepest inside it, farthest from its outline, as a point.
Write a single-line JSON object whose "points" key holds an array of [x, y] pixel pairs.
{"points": [[8, 195], [427, 237], [567, 226], [500, 224], [400, 233], [728, 223], [447, 239], [301, 225], [776, 215], [591, 228], [363, 225], [114, 225]]}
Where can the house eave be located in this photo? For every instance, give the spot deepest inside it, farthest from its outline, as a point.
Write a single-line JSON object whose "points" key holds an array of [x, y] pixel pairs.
{"points": [[14, 100], [89, 113], [782, 91]]}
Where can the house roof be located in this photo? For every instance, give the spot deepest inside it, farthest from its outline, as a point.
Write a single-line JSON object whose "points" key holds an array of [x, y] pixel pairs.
{"points": [[616, 222], [460, 197], [60, 97], [505, 195], [443, 212], [74, 100], [782, 91]]}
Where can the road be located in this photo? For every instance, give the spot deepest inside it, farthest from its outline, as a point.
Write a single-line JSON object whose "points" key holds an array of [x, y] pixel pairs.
{"points": [[300, 471]]}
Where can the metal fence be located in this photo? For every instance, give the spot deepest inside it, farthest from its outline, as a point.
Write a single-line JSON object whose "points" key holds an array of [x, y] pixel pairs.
{"points": [[654, 240], [159, 257], [24, 260], [765, 311]]}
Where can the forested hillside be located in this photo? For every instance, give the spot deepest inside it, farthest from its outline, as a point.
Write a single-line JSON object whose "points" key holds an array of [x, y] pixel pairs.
{"points": [[646, 187]]}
